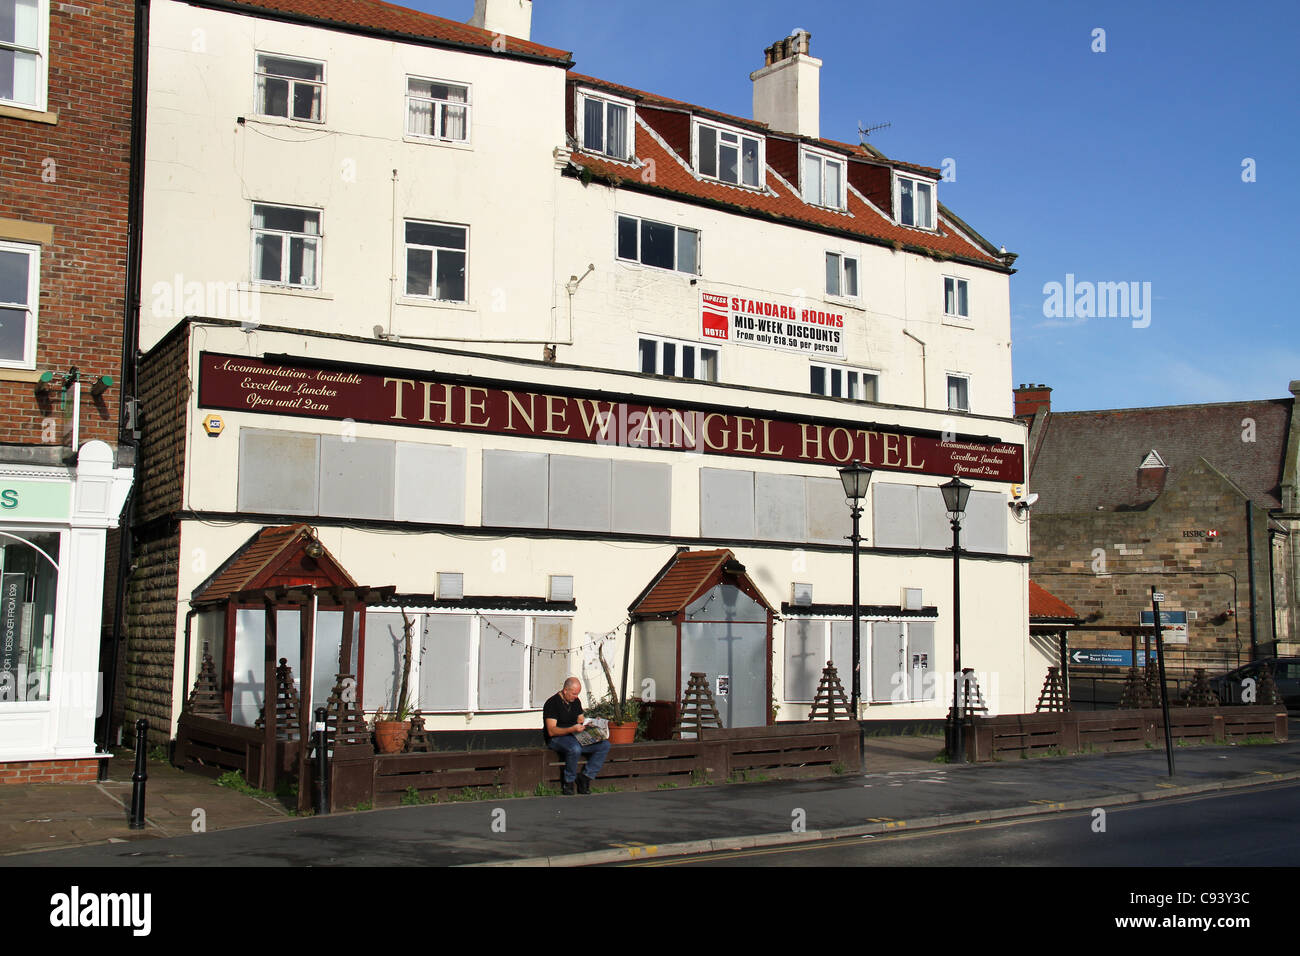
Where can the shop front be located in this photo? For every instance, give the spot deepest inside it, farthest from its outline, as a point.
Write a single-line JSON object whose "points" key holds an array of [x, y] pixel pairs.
{"points": [[53, 525]]}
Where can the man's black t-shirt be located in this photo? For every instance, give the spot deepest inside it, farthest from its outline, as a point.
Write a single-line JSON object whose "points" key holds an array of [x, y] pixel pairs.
{"points": [[566, 715]]}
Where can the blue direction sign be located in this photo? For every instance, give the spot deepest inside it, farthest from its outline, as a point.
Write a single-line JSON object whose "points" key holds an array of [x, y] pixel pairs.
{"points": [[1106, 657]]}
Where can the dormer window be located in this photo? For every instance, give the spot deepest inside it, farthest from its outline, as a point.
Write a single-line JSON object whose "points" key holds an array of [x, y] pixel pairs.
{"points": [[914, 201], [728, 155], [607, 125], [823, 180]]}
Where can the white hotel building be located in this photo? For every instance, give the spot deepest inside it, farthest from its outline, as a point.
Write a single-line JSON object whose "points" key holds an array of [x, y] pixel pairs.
{"points": [[399, 275]]}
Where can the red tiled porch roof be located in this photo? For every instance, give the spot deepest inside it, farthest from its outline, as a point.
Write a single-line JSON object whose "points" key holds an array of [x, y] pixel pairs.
{"points": [[261, 554], [689, 575], [1046, 606]]}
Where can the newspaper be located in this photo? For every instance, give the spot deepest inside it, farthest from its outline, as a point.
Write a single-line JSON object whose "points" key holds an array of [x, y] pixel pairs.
{"points": [[595, 730]]}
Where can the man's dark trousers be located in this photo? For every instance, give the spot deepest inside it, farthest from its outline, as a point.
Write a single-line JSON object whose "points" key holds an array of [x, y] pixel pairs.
{"points": [[572, 750]]}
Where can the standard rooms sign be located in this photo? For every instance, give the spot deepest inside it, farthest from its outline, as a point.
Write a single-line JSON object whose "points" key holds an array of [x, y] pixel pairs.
{"points": [[770, 324], [238, 383]]}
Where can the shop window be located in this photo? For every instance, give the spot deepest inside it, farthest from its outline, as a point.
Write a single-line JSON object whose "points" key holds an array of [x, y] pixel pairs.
{"points": [[29, 578], [19, 296], [437, 257], [24, 52], [437, 110], [286, 246], [290, 88]]}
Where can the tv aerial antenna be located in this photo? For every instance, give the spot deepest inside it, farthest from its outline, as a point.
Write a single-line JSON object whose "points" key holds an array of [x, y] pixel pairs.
{"points": [[865, 131]]}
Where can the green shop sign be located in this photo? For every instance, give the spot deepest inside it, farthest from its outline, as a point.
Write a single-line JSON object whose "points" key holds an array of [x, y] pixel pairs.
{"points": [[35, 500]]}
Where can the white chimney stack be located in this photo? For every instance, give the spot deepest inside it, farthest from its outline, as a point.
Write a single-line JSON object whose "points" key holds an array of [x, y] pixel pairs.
{"points": [[513, 18], [787, 90]]}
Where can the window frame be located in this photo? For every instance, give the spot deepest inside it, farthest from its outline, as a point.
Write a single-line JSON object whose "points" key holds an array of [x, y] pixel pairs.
{"points": [[680, 345], [254, 229], [639, 220], [851, 371], [857, 275], [257, 87], [868, 634], [42, 53], [433, 274], [961, 376], [33, 252], [958, 284], [468, 106], [823, 158], [697, 124], [933, 224], [580, 122]]}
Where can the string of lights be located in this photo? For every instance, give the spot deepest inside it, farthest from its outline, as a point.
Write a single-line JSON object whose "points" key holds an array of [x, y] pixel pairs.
{"points": [[606, 636]]}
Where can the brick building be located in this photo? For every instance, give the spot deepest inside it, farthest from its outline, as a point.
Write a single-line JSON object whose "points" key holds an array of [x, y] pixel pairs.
{"points": [[1196, 500], [65, 161]]}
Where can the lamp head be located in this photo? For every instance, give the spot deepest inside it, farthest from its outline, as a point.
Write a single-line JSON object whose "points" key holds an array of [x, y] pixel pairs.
{"points": [[955, 495], [855, 478]]}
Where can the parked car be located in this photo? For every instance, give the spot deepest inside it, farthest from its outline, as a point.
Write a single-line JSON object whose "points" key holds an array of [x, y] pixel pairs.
{"points": [[1286, 674]]}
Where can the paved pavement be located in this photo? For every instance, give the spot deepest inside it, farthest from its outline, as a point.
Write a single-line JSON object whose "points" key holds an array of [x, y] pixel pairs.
{"points": [[903, 788]]}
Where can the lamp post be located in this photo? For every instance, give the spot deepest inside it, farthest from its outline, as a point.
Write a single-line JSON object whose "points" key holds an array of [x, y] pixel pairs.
{"points": [[955, 495], [855, 478]]}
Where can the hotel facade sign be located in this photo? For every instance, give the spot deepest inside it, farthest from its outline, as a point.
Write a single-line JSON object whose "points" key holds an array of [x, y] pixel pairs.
{"points": [[770, 324], [427, 400]]}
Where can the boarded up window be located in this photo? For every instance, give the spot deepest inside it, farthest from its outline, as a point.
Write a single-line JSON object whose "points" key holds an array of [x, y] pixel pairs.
{"points": [[356, 477], [515, 489], [502, 663], [894, 513], [779, 506], [384, 651], [642, 497], [984, 527], [550, 662], [805, 643], [888, 678], [582, 498], [278, 472], [430, 484], [726, 504], [445, 662], [828, 514]]}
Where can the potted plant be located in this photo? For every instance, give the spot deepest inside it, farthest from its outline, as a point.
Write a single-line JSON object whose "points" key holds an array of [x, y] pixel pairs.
{"points": [[623, 720], [392, 728]]}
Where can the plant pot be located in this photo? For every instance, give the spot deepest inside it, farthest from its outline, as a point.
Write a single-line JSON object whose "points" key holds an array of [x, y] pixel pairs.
{"points": [[622, 733], [390, 735]]}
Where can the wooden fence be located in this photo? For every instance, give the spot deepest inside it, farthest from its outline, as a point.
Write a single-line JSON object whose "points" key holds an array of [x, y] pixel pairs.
{"points": [[213, 746], [1031, 734], [784, 751]]}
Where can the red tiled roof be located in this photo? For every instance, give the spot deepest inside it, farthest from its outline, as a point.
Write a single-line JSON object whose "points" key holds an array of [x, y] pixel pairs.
{"points": [[1047, 606], [673, 176], [377, 15], [688, 576], [261, 553]]}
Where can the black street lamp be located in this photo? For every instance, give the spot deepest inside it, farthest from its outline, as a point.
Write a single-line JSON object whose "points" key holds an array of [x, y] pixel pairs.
{"points": [[955, 495], [856, 477]]}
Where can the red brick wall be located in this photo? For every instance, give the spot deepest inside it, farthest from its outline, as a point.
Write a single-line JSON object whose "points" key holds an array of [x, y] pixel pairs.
{"points": [[49, 771], [74, 176]]}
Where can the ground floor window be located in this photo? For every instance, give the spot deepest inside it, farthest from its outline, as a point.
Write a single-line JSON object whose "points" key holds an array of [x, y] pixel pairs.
{"points": [[897, 658], [29, 579]]}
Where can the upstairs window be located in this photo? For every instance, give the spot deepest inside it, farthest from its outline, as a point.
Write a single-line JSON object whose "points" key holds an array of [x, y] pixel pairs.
{"points": [[680, 359], [658, 244], [956, 301], [606, 125], [958, 393], [841, 275], [291, 88], [915, 203], [23, 52], [729, 155], [823, 180], [437, 110], [19, 293], [286, 246], [436, 258], [839, 381]]}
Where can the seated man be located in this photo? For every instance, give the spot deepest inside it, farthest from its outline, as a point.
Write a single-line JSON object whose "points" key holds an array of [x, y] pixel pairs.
{"points": [[561, 719]]}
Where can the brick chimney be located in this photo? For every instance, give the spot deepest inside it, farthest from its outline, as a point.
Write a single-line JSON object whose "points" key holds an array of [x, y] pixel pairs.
{"points": [[1031, 398], [513, 18], [787, 90]]}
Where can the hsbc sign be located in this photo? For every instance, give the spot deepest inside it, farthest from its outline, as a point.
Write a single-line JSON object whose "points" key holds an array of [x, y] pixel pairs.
{"points": [[771, 324]]}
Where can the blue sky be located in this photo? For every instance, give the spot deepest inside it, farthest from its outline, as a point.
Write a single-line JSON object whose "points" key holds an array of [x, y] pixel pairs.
{"points": [[1115, 166]]}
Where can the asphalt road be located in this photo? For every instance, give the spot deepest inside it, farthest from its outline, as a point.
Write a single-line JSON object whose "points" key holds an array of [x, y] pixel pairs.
{"points": [[1252, 827]]}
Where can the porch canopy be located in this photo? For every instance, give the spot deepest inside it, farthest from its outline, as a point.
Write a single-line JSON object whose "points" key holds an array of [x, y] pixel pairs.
{"points": [[703, 613]]}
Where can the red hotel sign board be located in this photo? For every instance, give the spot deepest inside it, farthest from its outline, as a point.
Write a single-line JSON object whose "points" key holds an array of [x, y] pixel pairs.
{"points": [[239, 383]]}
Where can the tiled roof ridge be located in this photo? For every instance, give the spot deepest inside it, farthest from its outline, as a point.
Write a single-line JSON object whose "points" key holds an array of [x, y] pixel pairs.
{"points": [[1165, 408]]}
